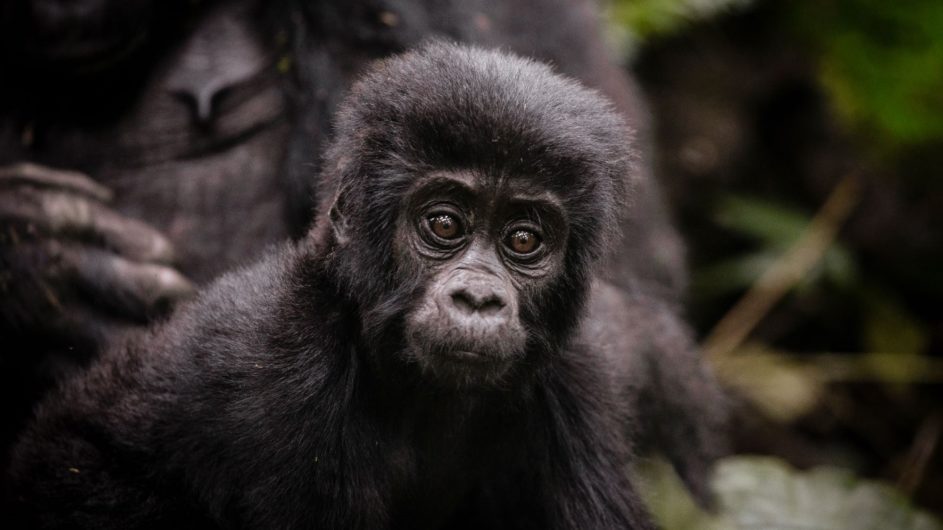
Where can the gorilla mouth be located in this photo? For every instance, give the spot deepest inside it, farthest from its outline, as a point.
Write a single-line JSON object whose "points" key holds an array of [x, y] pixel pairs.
{"points": [[470, 357], [466, 367]]}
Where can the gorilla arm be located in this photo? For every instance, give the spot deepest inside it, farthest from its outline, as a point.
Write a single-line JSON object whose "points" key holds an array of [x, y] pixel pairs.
{"points": [[679, 408]]}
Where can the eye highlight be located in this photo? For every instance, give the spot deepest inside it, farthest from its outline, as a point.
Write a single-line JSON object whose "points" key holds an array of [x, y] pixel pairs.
{"points": [[522, 241], [445, 226]]}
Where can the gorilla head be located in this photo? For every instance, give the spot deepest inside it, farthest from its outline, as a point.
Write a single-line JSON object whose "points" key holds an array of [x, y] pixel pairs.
{"points": [[470, 194]]}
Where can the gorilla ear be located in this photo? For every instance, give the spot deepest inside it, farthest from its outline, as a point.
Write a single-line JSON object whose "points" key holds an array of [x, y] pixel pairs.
{"points": [[338, 216]]}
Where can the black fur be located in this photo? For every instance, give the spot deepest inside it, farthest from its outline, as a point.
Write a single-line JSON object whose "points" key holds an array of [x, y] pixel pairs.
{"points": [[277, 399], [99, 109]]}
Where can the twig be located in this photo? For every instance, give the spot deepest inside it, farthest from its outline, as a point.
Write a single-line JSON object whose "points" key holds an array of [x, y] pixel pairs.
{"points": [[861, 367], [924, 445], [779, 279]]}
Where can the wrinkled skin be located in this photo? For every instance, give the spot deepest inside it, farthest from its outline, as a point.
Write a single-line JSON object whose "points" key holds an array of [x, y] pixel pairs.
{"points": [[474, 241]]}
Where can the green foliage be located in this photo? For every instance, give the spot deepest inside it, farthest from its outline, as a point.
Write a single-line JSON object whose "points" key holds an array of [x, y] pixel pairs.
{"points": [[648, 18], [882, 62], [775, 227], [759, 492]]}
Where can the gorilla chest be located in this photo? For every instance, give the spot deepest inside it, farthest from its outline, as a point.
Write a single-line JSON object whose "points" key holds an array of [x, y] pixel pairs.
{"points": [[438, 469], [219, 209], [432, 493]]}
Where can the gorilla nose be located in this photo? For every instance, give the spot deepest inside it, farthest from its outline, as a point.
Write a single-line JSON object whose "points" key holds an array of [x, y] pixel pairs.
{"points": [[477, 301]]}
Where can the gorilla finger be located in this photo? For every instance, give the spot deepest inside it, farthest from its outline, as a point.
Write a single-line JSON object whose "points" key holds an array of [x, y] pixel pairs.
{"points": [[46, 299], [72, 215], [134, 291], [131, 238], [25, 173]]}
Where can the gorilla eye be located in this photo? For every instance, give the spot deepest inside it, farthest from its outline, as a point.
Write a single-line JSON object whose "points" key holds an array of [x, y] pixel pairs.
{"points": [[522, 241], [445, 226]]}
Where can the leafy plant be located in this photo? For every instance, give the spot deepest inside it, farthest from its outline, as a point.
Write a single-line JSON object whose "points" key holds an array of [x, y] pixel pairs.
{"points": [[882, 62], [762, 492], [644, 19], [775, 227]]}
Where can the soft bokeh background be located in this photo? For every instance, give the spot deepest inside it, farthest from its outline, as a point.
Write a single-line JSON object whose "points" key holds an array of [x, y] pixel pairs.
{"points": [[800, 144]]}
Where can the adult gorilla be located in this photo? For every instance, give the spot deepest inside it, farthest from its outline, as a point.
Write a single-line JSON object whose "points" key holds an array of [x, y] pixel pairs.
{"points": [[196, 126]]}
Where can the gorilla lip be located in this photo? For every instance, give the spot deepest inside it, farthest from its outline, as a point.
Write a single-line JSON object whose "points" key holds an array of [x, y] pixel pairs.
{"points": [[470, 357]]}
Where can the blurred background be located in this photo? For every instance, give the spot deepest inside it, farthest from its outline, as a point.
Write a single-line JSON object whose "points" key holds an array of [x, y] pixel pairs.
{"points": [[800, 144]]}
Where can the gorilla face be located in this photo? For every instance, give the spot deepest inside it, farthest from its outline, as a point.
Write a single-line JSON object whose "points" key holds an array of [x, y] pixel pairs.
{"points": [[484, 247], [472, 195]]}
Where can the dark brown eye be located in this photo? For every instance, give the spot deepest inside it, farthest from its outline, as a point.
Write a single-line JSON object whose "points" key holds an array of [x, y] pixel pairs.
{"points": [[523, 241], [445, 226]]}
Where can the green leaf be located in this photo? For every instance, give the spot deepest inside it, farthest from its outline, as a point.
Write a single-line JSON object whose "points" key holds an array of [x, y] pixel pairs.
{"points": [[771, 223], [776, 228], [649, 18], [882, 64], [731, 275]]}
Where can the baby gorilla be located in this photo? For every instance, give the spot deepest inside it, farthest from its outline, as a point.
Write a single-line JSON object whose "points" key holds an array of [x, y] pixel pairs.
{"points": [[415, 362]]}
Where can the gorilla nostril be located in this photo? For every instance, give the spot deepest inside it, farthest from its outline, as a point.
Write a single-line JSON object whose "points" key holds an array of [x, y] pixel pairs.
{"points": [[463, 302], [468, 303], [491, 306]]}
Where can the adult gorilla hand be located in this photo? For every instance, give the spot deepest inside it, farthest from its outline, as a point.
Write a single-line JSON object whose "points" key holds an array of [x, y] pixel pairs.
{"points": [[72, 270]]}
